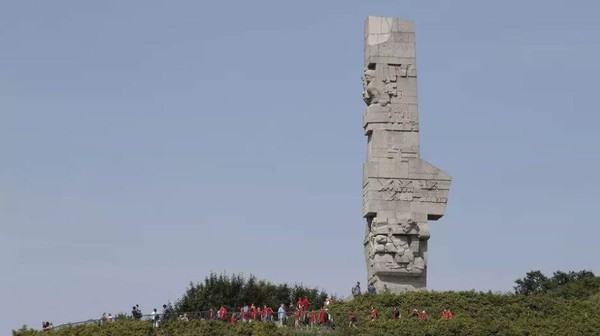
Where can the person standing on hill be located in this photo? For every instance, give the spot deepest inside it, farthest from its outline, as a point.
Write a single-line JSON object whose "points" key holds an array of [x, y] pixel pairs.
{"points": [[297, 315], [305, 303], [352, 319], [166, 312], [321, 316], [223, 313], [155, 318], [447, 314], [374, 314], [267, 313], [136, 313], [356, 289], [245, 312], [281, 315]]}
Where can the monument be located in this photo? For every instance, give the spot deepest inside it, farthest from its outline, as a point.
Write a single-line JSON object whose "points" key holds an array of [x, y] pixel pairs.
{"points": [[401, 192]]}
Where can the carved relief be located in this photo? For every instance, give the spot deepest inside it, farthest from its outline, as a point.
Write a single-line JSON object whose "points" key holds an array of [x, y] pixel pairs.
{"points": [[409, 190], [405, 70], [371, 94], [379, 91], [397, 189], [410, 125], [392, 152], [394, 246], [391, 87]]}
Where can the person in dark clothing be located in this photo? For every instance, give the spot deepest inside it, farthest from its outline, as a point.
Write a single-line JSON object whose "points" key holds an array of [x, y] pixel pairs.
{"points": [[136, 313]]}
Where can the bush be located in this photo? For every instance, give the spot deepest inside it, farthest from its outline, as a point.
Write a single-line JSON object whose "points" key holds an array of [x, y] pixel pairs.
{"points": [[235, 291]]}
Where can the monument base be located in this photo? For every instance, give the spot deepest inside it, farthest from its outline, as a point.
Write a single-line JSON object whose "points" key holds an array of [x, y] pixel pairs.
{"points": [[395, 284]]}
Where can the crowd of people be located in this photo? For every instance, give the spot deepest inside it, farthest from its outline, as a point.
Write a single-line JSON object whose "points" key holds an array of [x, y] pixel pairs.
{"points": [[155, 316], [395, 315], [423, 315], [303, 316], [252, 313], [104, 319], [245, 314]]}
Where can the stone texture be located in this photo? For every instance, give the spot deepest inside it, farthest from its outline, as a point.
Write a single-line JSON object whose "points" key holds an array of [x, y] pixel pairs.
{"points": [[401, 192]]}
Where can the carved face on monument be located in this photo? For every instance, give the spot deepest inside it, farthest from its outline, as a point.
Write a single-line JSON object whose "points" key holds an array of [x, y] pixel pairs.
{"points": [[370, 93], [369, 75]]}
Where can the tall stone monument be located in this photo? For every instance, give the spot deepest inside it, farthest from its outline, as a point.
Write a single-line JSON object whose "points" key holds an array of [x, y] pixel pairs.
{"points": [[401, 192]]}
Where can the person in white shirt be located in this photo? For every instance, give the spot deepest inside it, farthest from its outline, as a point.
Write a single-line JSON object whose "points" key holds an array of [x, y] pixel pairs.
{"points": [[281, 315], [155, 318]]}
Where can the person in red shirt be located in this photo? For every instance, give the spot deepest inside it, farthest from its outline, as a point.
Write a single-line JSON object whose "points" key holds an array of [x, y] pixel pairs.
{"points": [[252, 313], [423, 315], [223, 313], [305, 303], [258, 316], [243, 314], [233, 320], [297, 318], [374, 314], [271, 312], [447, 314], [300, 303], [313, 318], [322, 316], [352, 319]]}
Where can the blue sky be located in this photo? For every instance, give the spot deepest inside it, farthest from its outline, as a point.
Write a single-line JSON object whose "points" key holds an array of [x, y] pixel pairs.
{"points": [[144, 144]]}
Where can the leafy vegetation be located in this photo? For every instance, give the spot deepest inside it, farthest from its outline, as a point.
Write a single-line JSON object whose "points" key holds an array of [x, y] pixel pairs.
{"points": [[563, 304], [235, 291], [572, 284]]}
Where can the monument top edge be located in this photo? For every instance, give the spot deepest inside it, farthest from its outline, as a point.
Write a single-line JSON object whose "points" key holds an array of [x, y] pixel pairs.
{"points": [[386, 25]]}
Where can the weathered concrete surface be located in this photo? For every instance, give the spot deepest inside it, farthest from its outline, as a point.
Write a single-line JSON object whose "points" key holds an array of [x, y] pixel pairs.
{"points": [[401, 192]]}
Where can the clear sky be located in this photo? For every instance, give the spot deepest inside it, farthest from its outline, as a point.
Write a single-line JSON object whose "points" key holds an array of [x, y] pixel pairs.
{"points": [[144, 144]]}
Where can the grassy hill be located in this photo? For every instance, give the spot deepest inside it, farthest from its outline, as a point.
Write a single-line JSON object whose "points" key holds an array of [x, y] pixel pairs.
{"points": [[569, 310]]}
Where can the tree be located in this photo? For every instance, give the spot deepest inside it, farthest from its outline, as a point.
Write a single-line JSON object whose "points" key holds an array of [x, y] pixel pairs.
{"points": [[235, 291], [536, 282], [533, 282]]}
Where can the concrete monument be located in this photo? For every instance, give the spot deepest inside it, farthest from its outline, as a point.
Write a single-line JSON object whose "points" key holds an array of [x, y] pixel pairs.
{"points": [[401, 192]]}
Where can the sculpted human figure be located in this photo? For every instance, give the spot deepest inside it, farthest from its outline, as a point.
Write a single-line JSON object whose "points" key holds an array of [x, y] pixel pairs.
{"points": [[371, 94]]}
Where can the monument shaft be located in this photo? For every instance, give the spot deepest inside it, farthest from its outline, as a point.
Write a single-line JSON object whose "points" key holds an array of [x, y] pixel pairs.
{"points": [[401, 192]]}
